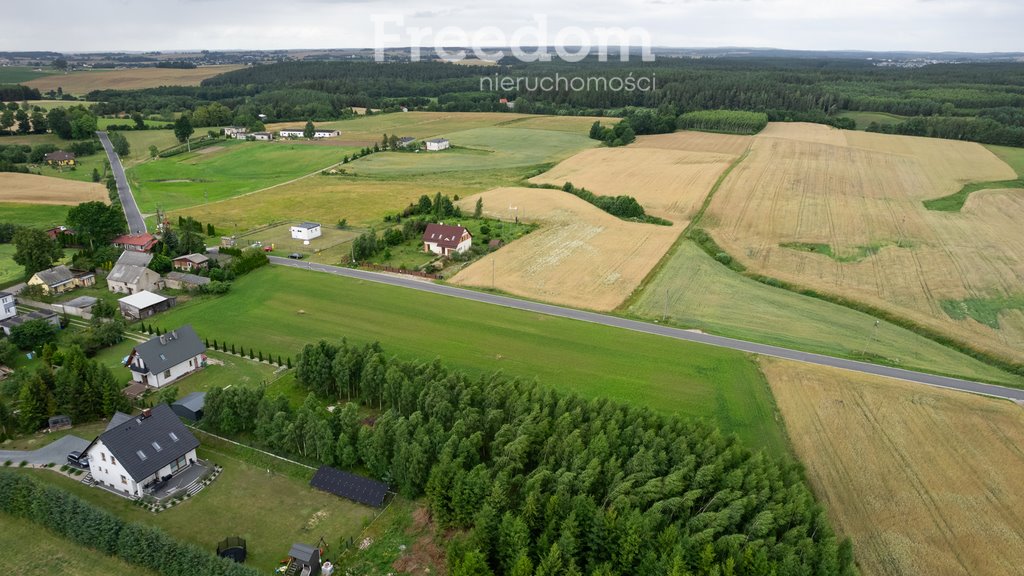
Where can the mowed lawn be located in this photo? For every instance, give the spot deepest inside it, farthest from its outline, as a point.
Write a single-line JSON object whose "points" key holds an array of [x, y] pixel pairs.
{"points": [[224, 170], [9, 269], [694, 291], [281, 309], [34, 215], [414, 124], [31, 550]]}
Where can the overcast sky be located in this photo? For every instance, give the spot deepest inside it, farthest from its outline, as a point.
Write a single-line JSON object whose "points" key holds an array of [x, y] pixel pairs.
{"points": [[137, 25]]}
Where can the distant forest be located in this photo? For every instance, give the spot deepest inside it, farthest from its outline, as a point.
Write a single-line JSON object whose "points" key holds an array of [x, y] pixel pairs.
{"points": [[970, 101]]}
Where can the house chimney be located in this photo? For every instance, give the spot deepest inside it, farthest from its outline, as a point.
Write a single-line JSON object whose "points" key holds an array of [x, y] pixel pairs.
{"points": [[163, 339], [146, 413], [174, 334]]}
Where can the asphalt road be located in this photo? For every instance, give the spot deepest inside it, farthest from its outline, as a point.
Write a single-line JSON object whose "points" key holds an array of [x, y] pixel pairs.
{"points": [[55, 452], [136, 224], [659, 330]]}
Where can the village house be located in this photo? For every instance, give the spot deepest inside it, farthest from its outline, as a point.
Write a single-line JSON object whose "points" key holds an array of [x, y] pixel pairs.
{"points": [[301, 133], [167, 358], [131, 275], [59, 158], [144, 304], [326, 133], [236, 132], [306, 231], [136, 242], [8, 308], [191, 262], [445, 239], [404, 141], [264, 136], [61, 279], [438, 144], [136, 453]]}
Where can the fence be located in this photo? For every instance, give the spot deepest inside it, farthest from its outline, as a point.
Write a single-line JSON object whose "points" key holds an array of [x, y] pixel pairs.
{"points": [[58, 308]]}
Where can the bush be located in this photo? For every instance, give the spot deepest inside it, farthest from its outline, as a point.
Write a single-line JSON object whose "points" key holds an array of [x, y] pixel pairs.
{"points": [[723, 258]]}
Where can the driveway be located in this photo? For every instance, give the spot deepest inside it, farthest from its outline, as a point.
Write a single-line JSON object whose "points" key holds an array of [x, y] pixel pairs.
{"points": [[55, 452]]}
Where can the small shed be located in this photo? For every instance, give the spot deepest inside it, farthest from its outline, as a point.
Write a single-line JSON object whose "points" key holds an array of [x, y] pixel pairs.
{"points": [[305, 560], [143, 305], [190, 407], [80, 305]]}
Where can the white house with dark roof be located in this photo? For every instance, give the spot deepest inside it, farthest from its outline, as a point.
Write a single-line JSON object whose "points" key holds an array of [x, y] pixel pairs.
{"points": [[135, 451], [306, 231], [438, 144], [165, 359], [144, 304], [7, 306]]}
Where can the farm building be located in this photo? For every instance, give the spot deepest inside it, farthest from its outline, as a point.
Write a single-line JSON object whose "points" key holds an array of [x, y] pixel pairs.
{"points": [[166, 358], [306, 231], [445, 239], [264, 136], [8, 307], [79, 306], [191, 262], [301, 133], [59, 158], [140, 451], [184, 281], [191, 406], [438, 144], [11, 323], [237, 132], [404, 141], [130, 274], [61, 279], [143, 305], [135, 242]]}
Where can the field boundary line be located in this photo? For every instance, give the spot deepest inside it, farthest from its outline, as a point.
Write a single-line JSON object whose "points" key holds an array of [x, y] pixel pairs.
{"points": [[251, 448]]}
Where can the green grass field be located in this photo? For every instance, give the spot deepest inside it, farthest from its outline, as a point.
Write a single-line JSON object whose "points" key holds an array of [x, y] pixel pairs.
{"points": [[34, 215], [32, 139], [50, 104], [695, 291], [19, 74], [10, 270], [227, 169], [281, 309], [864, 119], [30, 550], [103, 123], [141, 140]]}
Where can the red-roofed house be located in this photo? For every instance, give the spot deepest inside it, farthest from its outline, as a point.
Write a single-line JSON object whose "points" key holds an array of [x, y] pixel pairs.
{"points": [[136, 242], [444, 240]]}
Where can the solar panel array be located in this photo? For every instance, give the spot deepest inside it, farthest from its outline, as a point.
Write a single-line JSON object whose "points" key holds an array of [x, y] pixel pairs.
{"points": [[352, 486]]}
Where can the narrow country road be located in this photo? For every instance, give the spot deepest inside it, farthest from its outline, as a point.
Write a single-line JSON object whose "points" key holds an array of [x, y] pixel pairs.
{"points": [[659, 330], [136, 224]]}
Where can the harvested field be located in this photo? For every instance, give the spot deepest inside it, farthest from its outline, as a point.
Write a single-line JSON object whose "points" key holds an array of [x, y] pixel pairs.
{"points": [[841, 212], [923, 480], [581, 256], [690, 141], [33, 189], [129, 79]]}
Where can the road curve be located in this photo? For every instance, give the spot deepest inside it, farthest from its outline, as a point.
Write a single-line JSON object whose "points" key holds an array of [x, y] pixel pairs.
{"points": [[136, 224], [659, 330]]}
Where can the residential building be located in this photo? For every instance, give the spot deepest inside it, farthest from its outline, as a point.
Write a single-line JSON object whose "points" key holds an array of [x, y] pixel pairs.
{"points": [[265, 136], [12, 323], [61, 279], [137, 451], [57, 231], [59, 158], [326, 133], [144, 304], [237, 132], [301, 133], [8, 307], [192, 262], [165, 359], [405, 141], [306, 231], [438, 144], [184, 281], [131, 275], [445, 239], [136, 242]]}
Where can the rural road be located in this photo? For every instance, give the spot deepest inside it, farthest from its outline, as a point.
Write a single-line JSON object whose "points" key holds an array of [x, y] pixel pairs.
{"points": [[55, 452], [659, 330], [136, 224]]}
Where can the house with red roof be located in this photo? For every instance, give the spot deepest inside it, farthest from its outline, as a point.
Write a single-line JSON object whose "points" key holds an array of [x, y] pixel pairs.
{"points": [[445, 239], [136, 242]]}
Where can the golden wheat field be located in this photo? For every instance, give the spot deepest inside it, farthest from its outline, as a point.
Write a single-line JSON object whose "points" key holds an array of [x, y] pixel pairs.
{"points": [[859, 196], [580, 255], [669, 174], [34, 189], [133, 78], [923, 480]]}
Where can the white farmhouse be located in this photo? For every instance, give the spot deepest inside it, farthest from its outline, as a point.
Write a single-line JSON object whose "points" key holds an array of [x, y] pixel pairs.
{"points": [[438, 144], [164, 359], [444, 240], [7, 306], [136, 451], [306, 231]]}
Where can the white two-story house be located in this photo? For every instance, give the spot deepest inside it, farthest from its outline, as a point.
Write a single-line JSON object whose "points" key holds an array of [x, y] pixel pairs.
{"points": [[164, 359], [7, 306], [136, 451]]}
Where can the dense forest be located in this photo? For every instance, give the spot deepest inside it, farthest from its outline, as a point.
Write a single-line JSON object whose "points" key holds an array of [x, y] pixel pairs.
{"points": [[528, 481], [971, 101]]}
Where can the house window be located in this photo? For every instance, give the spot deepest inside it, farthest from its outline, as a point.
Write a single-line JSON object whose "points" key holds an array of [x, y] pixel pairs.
{"points": [[123, 480], [103, 455], [178, 464], [167, 374], [113, 460]]}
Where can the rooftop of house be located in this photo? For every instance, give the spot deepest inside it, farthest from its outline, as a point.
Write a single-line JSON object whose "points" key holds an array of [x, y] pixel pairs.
{"points": [[163, 352], [443, 235], [307, 225], [187, 278], [82, 302], [145, 240], [193, 258], [59, 275], [27, 317], [437, 140], [194, 401], [142, 299], [134, 258], [145, 444]]}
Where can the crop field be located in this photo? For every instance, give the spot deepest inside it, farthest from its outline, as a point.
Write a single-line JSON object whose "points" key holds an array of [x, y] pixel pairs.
{"points": [[26, 544], [129, 79], [281, 309], [224, 171], [692, 290], [18, 74], [33, 189], [923, 480], [856, 198], [35, 215], [581, 255]]}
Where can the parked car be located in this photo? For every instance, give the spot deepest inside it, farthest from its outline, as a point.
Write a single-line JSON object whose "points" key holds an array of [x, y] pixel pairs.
{"points": [[78, 460], [295, 256]]}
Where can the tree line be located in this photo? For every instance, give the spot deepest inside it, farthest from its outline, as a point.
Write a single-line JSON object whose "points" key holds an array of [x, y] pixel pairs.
{"points": [[530, 481]]}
